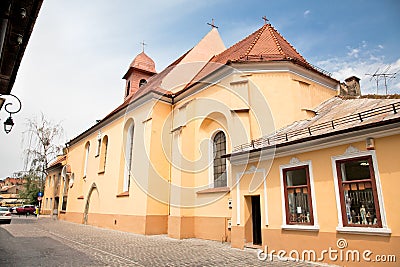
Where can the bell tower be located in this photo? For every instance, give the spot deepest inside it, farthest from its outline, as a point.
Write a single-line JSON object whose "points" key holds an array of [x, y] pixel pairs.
{"points": [[139, 71]]}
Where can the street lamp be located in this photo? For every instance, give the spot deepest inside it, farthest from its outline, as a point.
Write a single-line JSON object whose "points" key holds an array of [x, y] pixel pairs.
{"points": [[9, 123]]}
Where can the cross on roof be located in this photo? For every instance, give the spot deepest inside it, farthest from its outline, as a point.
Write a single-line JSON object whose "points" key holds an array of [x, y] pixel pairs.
{"points": [[143, 44], [265, 20], [212, 24]]}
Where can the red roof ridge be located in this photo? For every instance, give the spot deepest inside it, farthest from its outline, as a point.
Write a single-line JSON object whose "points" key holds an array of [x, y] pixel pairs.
{"points": [[260, 31], [301, 57], [272, 32]]}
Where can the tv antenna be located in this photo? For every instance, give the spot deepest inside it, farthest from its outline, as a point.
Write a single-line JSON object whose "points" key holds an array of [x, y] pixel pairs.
{"points": [[383, 75]]}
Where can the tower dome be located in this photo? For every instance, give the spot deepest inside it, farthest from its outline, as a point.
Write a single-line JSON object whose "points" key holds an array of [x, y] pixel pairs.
{"points": [[144, 62], [139, 71]]}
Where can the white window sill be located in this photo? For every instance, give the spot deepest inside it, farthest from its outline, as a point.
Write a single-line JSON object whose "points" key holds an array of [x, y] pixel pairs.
{"points": [[300, 227], [364, 230]]}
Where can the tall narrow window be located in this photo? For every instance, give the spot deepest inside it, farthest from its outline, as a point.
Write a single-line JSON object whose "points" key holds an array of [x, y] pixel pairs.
{"points": [[87, 147], [128, 88], [103, 154], [297, 189], [220, 178], [128, 158], [358, 193]]}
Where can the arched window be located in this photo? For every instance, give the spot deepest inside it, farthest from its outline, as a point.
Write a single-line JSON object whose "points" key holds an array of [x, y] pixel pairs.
{"points": [[128, 88], [103, 154], [142, 82], [87, 147], [220, 178], [128, 158]]}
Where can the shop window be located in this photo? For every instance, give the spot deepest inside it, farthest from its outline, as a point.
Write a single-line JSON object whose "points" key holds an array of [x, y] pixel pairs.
{"points": [[297, 190], [358, 194]]}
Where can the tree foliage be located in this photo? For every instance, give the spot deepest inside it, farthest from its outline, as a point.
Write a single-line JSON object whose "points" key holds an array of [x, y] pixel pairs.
{"points": [[31, 186], [41, 143]]}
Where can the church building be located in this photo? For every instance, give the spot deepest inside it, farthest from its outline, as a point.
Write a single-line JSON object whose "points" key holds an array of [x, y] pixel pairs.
{"points": [[250, 144]]}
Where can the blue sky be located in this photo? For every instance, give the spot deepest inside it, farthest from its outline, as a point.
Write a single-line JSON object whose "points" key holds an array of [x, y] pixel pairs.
{"points": [[79, 50]]}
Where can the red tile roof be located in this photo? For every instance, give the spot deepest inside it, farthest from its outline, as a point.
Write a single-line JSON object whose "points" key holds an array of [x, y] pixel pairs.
{"points": [[265, 44], [143, 61], [58, 160], [332, 117]]}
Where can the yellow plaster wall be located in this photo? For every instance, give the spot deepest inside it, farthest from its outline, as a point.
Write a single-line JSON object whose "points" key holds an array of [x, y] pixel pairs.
{"points": [[389, 169], [287, 94]]}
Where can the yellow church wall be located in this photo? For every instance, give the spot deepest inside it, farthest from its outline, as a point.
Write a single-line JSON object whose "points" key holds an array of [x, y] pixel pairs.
{"points": [[110, 203], [231, 97], [277, 238], [299, 93]]}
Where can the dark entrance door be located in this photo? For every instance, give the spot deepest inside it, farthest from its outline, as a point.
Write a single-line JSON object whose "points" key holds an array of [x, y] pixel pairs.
{"points": [[256, 219]]}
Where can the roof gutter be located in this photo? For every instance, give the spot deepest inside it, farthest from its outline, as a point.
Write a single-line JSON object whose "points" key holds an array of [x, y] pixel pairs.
{"points": [[371, 126]]}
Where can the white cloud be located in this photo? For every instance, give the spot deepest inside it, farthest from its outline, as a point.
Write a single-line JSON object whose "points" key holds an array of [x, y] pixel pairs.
{"points": [[380, 46], [353, 52], [306, 13]]}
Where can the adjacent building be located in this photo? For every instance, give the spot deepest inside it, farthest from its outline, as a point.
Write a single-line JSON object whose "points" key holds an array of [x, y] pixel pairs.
{"points": [[10, 189], [55, 188], [249, 144]]}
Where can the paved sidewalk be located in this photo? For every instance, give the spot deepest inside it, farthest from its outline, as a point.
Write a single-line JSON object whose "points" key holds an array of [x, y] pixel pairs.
{"points": [[114, 248]]}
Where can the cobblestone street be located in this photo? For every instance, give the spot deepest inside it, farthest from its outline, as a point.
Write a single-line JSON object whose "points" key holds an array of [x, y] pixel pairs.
{"points": [[47, 242]]}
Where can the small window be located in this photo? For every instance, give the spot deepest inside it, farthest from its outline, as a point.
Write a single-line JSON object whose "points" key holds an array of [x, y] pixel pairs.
{"points": [[103, 154], [87, 148], [297, 190], [128, 88], [142, 82], [220, 178], [64, 203], [358, 194]]}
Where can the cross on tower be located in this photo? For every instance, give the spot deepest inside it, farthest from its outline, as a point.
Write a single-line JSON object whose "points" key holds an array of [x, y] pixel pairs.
{"points": [[265, 20], [143, 44], [212, 24]]}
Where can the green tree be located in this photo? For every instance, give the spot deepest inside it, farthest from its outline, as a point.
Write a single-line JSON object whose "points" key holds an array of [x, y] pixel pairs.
{"points": [[31, 186]]}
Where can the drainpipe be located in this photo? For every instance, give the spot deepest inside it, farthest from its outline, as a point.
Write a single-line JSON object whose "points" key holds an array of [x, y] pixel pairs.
{"points": [[170, 165]]}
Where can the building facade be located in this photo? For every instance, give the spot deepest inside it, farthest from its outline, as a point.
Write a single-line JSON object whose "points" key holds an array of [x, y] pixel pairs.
{"points": [[55, 197], [227, 145]]}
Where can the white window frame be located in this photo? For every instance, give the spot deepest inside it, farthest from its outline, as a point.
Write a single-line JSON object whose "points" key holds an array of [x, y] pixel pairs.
{"points": [[211, 159], [360, 230], [286, 226]]}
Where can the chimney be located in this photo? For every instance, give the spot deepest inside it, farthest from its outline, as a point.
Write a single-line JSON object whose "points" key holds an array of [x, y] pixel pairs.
{"points": [[351, 87]]}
